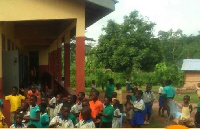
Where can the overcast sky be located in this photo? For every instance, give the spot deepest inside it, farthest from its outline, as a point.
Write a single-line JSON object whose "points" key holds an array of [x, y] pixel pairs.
{"points": [[167, 14]]}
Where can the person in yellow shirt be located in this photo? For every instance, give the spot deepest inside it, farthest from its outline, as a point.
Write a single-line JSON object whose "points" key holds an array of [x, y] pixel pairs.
{"points": [[15, 102], [119, 92], [2, 118]]}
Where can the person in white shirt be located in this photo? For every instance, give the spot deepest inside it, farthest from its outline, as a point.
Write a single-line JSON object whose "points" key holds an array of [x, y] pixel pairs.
{"points": [[62, 121], [138, 107], [59, 104], [161, 99], [86, 121], [18, 124]]}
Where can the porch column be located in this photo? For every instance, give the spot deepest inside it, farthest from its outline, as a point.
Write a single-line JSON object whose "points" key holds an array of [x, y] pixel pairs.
{"points": [[67, 59], [59, 65], [1, 83], [80, 55]]}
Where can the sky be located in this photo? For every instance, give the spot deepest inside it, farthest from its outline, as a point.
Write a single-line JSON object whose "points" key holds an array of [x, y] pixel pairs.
{"points": [[167, 14]]}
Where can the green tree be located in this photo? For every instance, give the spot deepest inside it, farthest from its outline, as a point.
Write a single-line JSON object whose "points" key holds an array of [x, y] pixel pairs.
{"points": [[130, 45]]}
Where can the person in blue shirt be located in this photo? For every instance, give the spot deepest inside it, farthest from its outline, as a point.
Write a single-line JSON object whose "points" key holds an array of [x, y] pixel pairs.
{"points": [[34, 117], [44, 118]]}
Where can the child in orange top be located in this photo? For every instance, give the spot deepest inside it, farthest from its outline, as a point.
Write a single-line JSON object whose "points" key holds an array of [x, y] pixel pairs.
{"points": [[15, 102], [33, 91]]}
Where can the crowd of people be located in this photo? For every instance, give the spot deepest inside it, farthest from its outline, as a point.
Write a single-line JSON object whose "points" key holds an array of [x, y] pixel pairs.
{"points": [[56, 111]]}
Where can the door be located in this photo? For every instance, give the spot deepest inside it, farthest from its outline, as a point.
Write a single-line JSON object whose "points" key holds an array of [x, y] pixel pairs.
{"points": [[10, 65]]}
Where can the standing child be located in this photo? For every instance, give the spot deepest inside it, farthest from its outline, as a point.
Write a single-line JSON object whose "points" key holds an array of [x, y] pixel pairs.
{"points": [[185, 119], [96, 106], [148, 98], [52, 104], [186, 107], [70, 101], [128, 108], [44, 118], [59, 104], [62, 120], [117, 114], [107, 114], [138, 106], [197, 115], [114, 96], [33, 91], [86, 122], [119, 92], [15, 102], [34, 112], [2, 118], [93, 85], [110, 88], [18, 124], [161, 99], [198, 89]]}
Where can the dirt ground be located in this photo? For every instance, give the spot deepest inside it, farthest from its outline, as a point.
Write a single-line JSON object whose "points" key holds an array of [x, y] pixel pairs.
{"points": [[155, 117]]}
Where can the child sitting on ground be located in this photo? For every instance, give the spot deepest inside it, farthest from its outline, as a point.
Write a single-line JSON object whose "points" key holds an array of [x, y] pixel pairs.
{"points": [[52, 103], [59, 104], [62, 120], [117, 114], [18, 124], [2, 118], [24, 110], [86, 122], [128, 108], [44, 118]]}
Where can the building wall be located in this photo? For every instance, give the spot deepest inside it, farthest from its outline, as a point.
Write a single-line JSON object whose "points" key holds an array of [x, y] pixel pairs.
{"points": [[191, 79], [19, 10]]}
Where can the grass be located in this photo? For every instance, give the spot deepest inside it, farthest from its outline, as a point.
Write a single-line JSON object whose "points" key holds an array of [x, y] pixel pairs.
{"points": [[179, 96]]}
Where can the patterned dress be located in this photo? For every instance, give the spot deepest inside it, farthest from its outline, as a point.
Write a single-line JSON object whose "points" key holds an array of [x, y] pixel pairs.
{"points": [[64, 123], [85, 124], [116, 120]]}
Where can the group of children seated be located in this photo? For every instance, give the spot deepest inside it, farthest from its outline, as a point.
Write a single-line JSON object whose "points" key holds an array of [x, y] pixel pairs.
{"points": [[55, 111]]}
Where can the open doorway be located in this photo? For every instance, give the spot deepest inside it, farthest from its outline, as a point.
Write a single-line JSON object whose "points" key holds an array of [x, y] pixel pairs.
{"points": [[34, 67]]}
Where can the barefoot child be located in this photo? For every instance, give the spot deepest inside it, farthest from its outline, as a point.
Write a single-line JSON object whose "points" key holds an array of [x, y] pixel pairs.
{"points": [[128, 108], [138, 106], [117, 114], [148, 98], [186, 111]]}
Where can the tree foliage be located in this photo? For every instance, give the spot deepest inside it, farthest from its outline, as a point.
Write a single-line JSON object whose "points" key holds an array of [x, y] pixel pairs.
{"points": [[129, 45]]}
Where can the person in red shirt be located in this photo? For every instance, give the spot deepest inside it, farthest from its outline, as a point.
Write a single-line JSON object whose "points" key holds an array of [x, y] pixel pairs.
{"points": [[33, 91]]}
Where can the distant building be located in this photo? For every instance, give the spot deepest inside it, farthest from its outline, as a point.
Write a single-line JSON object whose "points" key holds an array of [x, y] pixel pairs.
{"points": [[192, 72]]}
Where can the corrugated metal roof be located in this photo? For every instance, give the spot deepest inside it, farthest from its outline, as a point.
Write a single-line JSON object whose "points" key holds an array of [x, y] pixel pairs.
{"points": [[191, 65]]}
